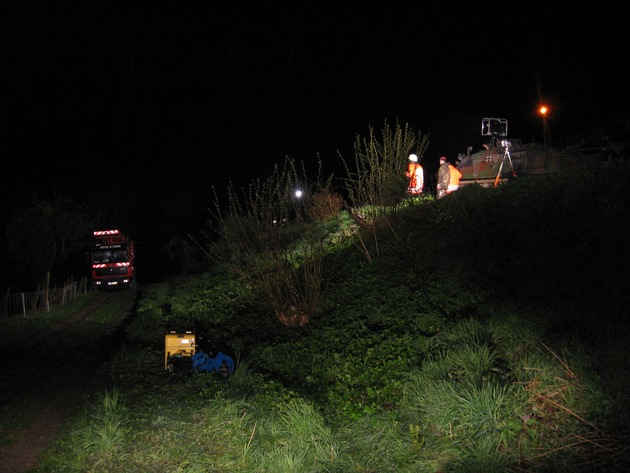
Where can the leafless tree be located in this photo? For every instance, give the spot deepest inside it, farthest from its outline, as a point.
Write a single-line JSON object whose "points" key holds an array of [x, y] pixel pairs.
{"points": [[376, 184], [271, 236]]}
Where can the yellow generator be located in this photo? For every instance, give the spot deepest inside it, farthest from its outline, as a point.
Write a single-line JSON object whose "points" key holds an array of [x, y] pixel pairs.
{"points": [[179, 349]]}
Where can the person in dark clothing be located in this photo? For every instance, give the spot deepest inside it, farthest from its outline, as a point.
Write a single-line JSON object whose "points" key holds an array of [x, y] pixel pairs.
{"points": [[444, 177]]}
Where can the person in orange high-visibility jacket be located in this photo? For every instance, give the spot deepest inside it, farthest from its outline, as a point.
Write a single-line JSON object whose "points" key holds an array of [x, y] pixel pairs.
{"points": [[415, 173], [454, 176]]}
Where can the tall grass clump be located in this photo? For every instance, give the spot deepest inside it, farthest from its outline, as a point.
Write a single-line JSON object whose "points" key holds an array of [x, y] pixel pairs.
{"points": [[296, 438], [498, 407], [97, 440]]}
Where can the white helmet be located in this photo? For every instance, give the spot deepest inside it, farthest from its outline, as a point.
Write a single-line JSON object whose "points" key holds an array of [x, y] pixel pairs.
{"points": [[413, 158]]}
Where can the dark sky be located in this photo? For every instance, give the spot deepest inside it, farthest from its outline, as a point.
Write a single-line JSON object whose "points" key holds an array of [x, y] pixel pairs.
{"points": [[172, 95]]}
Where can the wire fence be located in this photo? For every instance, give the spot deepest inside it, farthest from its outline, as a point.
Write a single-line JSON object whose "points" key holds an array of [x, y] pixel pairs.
{"points": [[23, 303]]}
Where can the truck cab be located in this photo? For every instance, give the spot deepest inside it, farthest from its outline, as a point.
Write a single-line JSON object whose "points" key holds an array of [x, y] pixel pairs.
{"points": [[112, 260]]}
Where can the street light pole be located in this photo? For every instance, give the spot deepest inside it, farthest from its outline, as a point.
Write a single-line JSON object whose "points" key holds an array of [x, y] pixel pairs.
{"points": [[544, 110]]}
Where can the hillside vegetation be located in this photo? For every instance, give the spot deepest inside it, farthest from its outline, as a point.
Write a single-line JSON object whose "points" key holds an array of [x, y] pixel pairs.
{"points": [[485, 331]]}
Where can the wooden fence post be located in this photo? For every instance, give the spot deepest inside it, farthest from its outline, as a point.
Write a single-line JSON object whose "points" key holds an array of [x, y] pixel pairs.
{"points": [[5, 303], [46, 293]]}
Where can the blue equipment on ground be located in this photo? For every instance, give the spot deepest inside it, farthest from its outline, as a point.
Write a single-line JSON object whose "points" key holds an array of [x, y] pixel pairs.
{"points": [[222, 363]]}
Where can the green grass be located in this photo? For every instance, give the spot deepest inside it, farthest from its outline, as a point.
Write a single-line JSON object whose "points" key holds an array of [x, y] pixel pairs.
{"points": [[17, 329], [448, 352], [456, 414], [42, 353]]}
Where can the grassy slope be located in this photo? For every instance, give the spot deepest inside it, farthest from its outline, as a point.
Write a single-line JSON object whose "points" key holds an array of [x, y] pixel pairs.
{"points": [[488, 335]]}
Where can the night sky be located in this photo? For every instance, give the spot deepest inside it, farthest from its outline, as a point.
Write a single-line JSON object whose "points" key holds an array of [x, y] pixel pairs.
{"points": [[161, 98]]}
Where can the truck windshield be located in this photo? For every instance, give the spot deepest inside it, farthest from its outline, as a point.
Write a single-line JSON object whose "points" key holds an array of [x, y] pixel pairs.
{"points": [[109, 256]]}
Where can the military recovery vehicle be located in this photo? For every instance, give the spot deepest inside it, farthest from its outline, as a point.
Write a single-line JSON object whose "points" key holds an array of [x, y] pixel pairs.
{"points": [[503, 159]]}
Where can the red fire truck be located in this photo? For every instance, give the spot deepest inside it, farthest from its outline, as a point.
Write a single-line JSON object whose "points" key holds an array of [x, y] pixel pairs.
{"points": [[112, 259]]}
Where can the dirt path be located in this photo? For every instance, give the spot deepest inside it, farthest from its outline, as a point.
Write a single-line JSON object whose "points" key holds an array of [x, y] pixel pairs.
{"points": [[61, 401], [23, 454]]}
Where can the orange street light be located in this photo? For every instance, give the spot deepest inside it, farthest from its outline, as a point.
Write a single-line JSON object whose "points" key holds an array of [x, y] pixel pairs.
{"points": [[544, 110]]}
